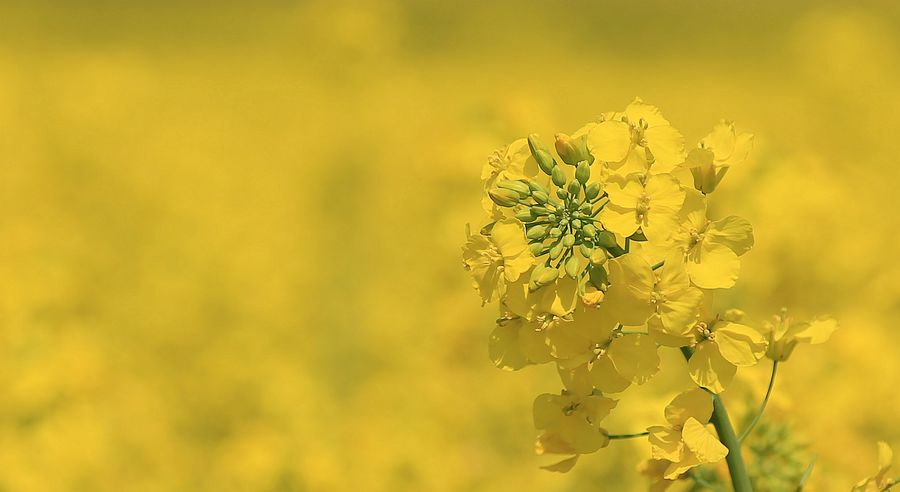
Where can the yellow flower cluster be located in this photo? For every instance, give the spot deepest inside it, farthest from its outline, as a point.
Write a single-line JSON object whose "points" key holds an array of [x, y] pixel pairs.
{"points": [[602, 252]]}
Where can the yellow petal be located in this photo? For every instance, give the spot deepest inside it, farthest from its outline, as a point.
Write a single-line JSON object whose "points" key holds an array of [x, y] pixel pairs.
{"points": [[596, 407], [584, 437], [686, 463], [609, 141], [713, 266], [665, 443], [547, 411], [666, 337], [504, 348], [628, 297], [733, 232], [639, 110], [634, 357], [816, 331], [667, 145], [563, 466], [566, 340], [552, 443], [721, 140], [885, 456], [709, 369], [740, 344], [620, 220], [606, 378], [577, 380], [625, 193], [693, 404], [702, 442]]}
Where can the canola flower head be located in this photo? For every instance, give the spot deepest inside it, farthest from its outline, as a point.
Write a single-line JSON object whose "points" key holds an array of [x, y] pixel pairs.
{"points": [[600, 253]]}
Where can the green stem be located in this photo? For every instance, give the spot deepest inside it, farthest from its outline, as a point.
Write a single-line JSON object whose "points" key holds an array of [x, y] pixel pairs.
{"points": [[763, 406], [740, 480], [628, 436]]}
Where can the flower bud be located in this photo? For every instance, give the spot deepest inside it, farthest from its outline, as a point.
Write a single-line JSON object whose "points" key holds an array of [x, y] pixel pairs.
{"points": [[571, 150], [606, 239], [555, 232], [526, 215], [556, 251], [585, 207], [592, 191], [576, 224], [517, 186], [586, 249], [558, 176], [537, 249], [540, 196], [548, 275], [504, 198], [574, 188], [536, 232], [573, 266], [583, 172], [589, 230], [535, 186], [539, 210], [562, 194], [541, 154], [568, 240], [599, 277], [598, 256]]}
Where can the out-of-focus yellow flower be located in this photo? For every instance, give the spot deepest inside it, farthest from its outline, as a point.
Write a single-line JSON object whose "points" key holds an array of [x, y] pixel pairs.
{"points": [[880, 481], [783, 334], [686, 442], [720, 348], [570, 425], [608, 360], [639, 135], [516, 342], [637, 292], [509, 163], [711, 248], [716, 153], [495, 259], [655, 471], [649, 203]]}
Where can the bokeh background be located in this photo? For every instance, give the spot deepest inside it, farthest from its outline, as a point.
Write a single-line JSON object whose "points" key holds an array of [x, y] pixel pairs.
{"points": [[230, 232]]}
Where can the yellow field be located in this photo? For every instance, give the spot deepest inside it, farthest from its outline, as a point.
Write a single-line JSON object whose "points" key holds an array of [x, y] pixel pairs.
{"points": [[230, 234]]}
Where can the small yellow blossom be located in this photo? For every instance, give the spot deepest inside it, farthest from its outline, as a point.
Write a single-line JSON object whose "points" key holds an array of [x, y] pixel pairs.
{"points": [[496, 259], [720, 348], [880, 481], [686, 442], [639, 134], [637, 292], [570, 425], [783, 334], [711, 248], [516, 342], [649, 203], [605, 358], [716, 153]]}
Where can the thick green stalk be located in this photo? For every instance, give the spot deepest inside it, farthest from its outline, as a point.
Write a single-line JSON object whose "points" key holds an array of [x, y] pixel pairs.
{"points": [[740, 480]]}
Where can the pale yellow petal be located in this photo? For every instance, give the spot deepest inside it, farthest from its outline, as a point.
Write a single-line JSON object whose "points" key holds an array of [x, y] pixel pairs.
{"points": [[620, 220], [628, 297], [713, 266], [563, 466], [634, 357], [709, 369], [609, 141], [639, 110], [739, 344], [547, 411], [667, 145], [504, 348], [606, 378], [703, 443], [665, 443], [691, 404], [734, 232], [816, 331]]}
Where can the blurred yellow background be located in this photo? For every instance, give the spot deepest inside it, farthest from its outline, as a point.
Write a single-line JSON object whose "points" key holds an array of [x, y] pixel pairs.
{"points": [[230, 232]]}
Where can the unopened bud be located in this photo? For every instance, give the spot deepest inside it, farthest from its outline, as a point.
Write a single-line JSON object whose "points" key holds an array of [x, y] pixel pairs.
{"points": [[536, 232], [605, 239], [583, 172], [568, 240], [589, 230], [537, 249], [556, 251], [517, 186], [558, 176], [526, 215], [540, 197], [592, 191], [573, 266], [598, 256], [562, 194], [535, 186], [571, 150], [599, 277], [555, 232], [541, 154], [504, 198], [574, 188], [586, 249], [576, 224], [538, 210]]}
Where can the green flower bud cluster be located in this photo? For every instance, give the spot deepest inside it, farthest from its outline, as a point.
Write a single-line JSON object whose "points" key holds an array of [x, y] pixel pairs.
{"points": [[560, 222]]}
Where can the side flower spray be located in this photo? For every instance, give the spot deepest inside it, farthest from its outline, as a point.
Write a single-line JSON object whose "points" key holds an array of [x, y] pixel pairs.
{"points": [[600, 252]]}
